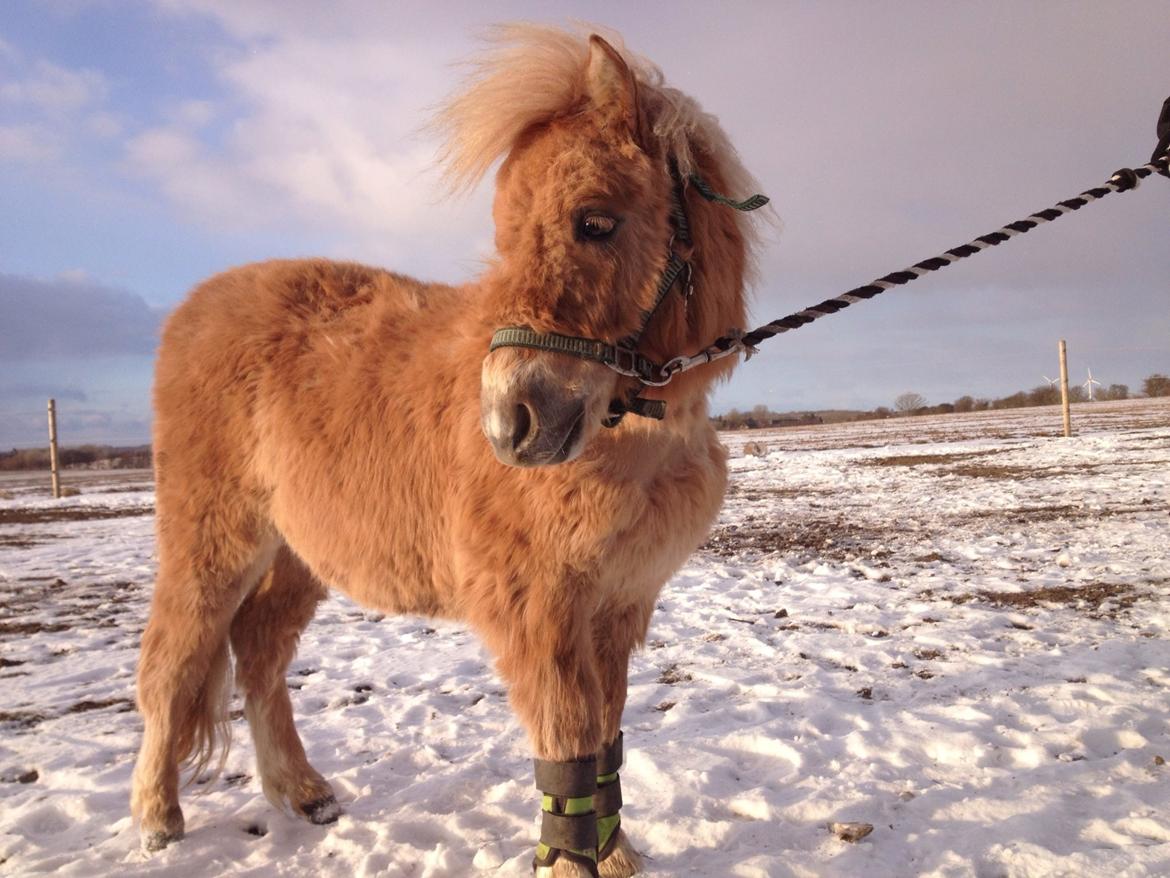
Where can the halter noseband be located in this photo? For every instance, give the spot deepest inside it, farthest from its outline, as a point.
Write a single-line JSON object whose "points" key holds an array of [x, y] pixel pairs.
{"points": [[623, 357]]}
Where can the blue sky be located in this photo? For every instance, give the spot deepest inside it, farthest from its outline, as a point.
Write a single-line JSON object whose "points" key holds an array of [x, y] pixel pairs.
{"points": [[147, 145]]}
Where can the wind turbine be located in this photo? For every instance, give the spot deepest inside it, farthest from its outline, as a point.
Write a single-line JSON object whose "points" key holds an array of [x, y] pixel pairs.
{"points": [[1088, 385], [1052, 382]]}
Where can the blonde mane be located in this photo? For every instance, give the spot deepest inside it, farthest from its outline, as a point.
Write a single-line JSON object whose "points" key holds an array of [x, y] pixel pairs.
{"points": [[531, 73]]}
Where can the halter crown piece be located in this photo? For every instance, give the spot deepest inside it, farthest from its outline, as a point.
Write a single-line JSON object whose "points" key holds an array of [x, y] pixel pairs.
{"points": [[623, 357]]}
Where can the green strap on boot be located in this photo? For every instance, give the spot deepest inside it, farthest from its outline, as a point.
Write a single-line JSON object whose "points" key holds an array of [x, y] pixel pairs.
{"points": [[607, 801], [568, 825]]}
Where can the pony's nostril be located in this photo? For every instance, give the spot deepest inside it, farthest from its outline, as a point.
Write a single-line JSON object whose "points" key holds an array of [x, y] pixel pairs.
{"points": [[522, 428]]}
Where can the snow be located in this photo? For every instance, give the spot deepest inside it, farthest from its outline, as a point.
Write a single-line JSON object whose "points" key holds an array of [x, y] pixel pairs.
{"points": [[954, 628]]}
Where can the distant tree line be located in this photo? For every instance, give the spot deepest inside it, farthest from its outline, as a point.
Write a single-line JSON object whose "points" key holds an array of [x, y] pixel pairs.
{"points": [[761, 416], [1044, 394], [915, 404], [78, 457]]}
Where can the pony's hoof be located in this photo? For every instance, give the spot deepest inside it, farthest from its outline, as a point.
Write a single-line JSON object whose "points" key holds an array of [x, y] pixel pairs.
{"points": [[157, 839], [623, 861], [564, 868], [322, 811]]}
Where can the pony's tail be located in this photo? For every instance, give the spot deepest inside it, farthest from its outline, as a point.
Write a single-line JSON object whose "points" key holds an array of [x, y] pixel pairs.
{"points": [[205, 739]]}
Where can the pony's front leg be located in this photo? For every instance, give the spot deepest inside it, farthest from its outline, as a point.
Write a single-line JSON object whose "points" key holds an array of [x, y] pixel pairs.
{"points": [[546, 656], [616, 632]]}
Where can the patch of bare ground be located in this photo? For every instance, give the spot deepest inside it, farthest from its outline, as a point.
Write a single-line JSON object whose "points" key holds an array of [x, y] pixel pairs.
{"points": [[672, 675], [834, 539], [1018, 473], [11, 629], [923, 459], [23, 720], [992, 471], [19, 541], [45, 515], [767, 492], [45, 605], [1025, 514], [1099, 600], [123, 705]]}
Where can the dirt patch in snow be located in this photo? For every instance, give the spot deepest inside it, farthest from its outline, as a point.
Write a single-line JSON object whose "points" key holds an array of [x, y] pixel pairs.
{"points": [[1098, 599], [1027, 514], [923, 459], [45, 515], [1120, 595], [833, 539]]}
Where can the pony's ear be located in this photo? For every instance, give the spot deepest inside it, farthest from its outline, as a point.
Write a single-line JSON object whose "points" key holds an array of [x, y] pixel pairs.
{"points": [[612, 88]]}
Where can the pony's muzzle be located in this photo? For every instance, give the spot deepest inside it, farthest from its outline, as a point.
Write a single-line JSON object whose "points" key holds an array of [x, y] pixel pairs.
{"points": [[533, 427], [539, 408]]}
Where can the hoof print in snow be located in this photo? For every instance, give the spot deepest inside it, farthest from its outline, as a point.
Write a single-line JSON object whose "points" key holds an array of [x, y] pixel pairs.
{"points": [[865, 693], [322, 811], [851, 832], [256, 829], [780, 614], [665, 706], [1158, 760]]}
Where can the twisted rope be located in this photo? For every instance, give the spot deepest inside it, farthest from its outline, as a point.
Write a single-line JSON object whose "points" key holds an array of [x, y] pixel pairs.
{"points": [[1122, 181]]}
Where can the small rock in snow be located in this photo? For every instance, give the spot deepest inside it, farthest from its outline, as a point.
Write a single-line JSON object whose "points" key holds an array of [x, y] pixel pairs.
{"points": [[1063, 560], [851, 832]]}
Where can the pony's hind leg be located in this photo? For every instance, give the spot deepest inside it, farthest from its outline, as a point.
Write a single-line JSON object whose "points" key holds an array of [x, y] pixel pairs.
{"points": [[264, 637], [184, 669]]}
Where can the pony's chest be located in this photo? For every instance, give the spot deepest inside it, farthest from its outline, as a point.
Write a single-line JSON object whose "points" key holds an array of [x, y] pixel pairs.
{"points": [[662, 521]]}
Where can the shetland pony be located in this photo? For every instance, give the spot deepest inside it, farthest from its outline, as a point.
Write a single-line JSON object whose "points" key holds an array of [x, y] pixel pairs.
{"points": [[322, 425]]}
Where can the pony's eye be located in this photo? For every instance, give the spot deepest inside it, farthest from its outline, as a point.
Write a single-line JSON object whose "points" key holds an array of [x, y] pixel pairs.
{"points": [[596, 226]]}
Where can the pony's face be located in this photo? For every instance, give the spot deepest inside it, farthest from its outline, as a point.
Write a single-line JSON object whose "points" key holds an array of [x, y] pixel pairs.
{"points": [[582, 228]]}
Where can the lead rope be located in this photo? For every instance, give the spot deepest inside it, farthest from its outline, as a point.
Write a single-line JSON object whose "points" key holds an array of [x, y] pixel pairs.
{"points": [[734, 342]]}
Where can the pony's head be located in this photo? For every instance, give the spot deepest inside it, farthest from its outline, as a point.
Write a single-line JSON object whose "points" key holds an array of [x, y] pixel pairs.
{"points": [[596, 155]]}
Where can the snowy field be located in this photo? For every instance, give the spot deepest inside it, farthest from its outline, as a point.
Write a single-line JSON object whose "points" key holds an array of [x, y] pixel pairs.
{"points": [[956, 629]]}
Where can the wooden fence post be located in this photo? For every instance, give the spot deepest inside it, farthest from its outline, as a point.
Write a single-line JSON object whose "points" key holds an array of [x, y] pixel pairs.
{"points": [[1064, 388], [53, 460]]}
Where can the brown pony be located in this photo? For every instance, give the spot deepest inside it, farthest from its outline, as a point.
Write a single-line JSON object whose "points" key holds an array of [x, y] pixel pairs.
{"points": [[322, 424]]}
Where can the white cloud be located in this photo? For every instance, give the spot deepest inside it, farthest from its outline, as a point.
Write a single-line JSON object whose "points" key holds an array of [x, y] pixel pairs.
{"points": [[47, 109], [104, 125], [322, 134], [52, 89], [29, 143]]}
